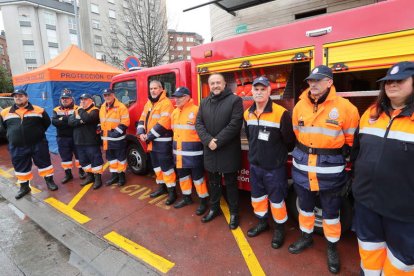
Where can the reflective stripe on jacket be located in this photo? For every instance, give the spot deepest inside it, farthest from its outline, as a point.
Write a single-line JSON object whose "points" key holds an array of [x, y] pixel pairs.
{"points": [[60, 120], [25, 126], [383, 169], [114, 123], [275, 122], [155, 121], [187, 148], [330, 126]]}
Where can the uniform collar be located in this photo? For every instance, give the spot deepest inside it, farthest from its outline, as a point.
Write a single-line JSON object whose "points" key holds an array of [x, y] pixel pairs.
{"points": [[15, 107], [331, 95], [268, 108]]}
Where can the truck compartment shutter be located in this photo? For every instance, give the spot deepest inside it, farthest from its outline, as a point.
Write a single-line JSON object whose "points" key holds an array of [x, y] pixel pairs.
{"points": [[380, 51]]}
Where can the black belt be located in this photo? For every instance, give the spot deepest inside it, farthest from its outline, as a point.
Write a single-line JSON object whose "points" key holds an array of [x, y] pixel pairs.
{"points": [[309, 150]]}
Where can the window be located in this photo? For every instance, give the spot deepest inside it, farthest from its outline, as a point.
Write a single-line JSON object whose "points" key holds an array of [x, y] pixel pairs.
{"points": [[112, 29], [97, 40], [128, 33], [100, 56], [168, 80], [53, 52], [26, 30], [29, 52], [310, 13], [4, 64], [111, 1], [72, 23], [74, 39], [188, 48], [50, 18], [31, 67], [180, 48], [94, 8], [189, 39], [111, 14], [180, 57], [172, 57], [126, 91], [1, 49], [96, 24], [51, 36], [24, 14], [188, 57], [179, 39], [114, 43]]}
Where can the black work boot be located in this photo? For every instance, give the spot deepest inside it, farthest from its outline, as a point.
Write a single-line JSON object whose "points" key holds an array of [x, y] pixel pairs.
{"points": [[211, 215], [333, 258], [202, 208], [278, 235], [24, 190], [89, 179], [172, 196], [234, 221], [122, 179], [68, 176], [82, 173], [184, 202], [98, 181], [161, 190], [305, 241], [114, 179], [51, 183], [259, 228]]}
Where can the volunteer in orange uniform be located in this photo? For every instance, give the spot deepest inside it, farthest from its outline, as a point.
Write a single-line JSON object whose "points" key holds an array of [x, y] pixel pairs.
{"points": [[114, 118], [324, 124], [269, 131], [64, 137], [154, 127], [26, 125], [188, 150], [383, 185]]}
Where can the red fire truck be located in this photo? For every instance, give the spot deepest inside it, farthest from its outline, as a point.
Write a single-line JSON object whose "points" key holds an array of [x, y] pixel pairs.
{"points": [[358, 44]]}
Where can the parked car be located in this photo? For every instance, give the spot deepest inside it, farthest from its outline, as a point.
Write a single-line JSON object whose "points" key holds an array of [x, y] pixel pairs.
{"points": [[4, 102]]}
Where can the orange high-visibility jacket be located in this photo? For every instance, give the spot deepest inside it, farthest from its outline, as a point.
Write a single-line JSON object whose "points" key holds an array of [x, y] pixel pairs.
{"points": [[331, 126], [187, 148], [114, 121], [155, 121]]}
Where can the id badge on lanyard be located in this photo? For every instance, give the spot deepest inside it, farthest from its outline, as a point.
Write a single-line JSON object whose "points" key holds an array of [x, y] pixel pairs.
{"points": [[264, 135]]}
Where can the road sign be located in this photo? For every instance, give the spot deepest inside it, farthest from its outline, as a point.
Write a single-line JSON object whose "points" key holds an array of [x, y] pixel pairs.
{"points": [[131, 62], [242, 28]]}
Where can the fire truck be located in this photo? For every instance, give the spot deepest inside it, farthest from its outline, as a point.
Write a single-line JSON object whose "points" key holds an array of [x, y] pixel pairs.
{"points": [[358, 44]]}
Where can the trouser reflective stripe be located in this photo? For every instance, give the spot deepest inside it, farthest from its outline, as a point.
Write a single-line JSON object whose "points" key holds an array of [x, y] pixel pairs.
{"points": [[91, 156], [279, 212], [306, 221], [23, 177], [394, 266], [48, 171], [77, 164], [165, 162], [158, 175], [186, 175], [260, 206], [66, 165], [201, 187], [373, 255], [117, 160], [87, 168], [332, 229], [185, 184]]}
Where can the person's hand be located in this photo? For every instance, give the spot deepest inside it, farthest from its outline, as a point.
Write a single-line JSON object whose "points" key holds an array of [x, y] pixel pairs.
{"points": [[143, 137], [212, 145]]}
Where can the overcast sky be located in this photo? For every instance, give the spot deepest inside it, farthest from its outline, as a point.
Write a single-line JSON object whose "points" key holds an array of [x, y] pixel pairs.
{"points": [[197, 20]]}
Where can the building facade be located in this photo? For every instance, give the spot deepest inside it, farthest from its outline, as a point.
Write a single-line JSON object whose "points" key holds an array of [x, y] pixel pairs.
{"points": [[180, 44], [274, 13], [4, 56]]}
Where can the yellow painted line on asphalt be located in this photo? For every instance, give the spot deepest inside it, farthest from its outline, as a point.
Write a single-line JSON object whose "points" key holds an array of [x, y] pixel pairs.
{"points": [[140, 252], [105, 166], [62, 207], [79, 196], [33, 188], [6, 173], [247, 252]]}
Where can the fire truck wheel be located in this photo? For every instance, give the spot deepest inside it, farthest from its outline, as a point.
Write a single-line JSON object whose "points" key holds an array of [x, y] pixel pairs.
{"points": [[292, 204], [137, 159]]}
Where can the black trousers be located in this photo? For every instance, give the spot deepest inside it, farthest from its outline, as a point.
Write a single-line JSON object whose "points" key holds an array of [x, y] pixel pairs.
{"points": [[214, 189]]}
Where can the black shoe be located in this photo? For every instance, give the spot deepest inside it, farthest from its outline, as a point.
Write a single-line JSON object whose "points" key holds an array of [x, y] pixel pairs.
{"points": [[122, 179], [161, 190], [278, 235], [333, 258], [68, 176], [98, 181], [202, 208], [88, 179], [82, 173], [51, 185], [234, 221], [305, 241], [183, 202], [172, 196], [24, 190], [210, 216], [259, 228], [114, 179]]}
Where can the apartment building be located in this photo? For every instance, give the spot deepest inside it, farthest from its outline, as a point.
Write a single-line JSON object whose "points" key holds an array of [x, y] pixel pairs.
{"points": [[4, 56], [180, 44]]}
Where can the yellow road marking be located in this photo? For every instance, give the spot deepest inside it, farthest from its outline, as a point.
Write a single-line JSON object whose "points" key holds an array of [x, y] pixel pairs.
{"points": [[247, 252], [79, 195], [105, 166], [140, 252], [6, 173], [75, 215], [33, 188]]}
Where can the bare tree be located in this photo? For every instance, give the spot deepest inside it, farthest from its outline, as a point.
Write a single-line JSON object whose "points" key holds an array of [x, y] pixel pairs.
{"points": [[143, 34]]}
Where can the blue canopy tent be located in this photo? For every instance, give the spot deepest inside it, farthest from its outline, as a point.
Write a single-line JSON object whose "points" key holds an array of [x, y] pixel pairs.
{"points": [[72, 69]]}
